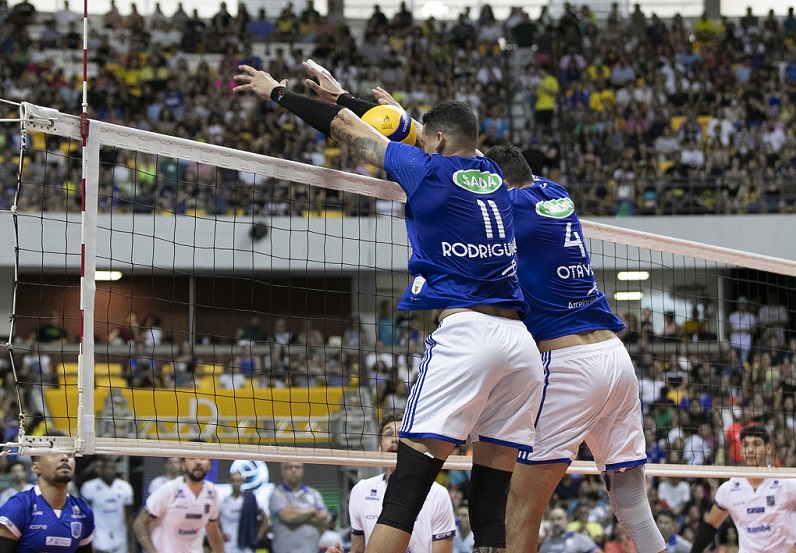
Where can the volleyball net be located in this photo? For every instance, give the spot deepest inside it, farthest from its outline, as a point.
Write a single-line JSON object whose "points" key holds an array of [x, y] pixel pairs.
{"points": [[174, 297]]}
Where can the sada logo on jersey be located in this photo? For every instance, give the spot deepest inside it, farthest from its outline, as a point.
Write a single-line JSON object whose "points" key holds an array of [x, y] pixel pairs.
{"points": [[480, 182], [556, 209]]}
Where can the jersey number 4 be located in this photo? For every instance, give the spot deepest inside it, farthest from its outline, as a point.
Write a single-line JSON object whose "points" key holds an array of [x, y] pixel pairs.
{"points": [[488, 221], [572, 240]]}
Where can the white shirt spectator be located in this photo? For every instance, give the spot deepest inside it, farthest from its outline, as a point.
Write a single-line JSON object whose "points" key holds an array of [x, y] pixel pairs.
{"points": [[108, 503], [675, 493], [773, 139], [11, 492], [692, 156], [742, 323], [696, 450], [720, 129], [231, 381]]}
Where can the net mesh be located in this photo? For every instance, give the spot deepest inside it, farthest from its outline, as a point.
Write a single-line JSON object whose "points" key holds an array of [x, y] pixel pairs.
{"points": [[251, 302]]}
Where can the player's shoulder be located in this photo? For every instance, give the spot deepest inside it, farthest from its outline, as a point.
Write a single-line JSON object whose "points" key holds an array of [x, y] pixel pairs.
{"points": [[170, 488], [732, 485], [788, 484]]}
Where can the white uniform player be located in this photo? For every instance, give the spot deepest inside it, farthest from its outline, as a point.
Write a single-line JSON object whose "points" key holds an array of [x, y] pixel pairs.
{"points": [[764, 516], [763, 509], [111, 499], [435, 521], [176, 514], [435, 525], [182, 515]]}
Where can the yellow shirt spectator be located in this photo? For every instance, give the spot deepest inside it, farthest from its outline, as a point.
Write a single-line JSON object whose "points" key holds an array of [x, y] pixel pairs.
{"points": [[704, 29], [602, 100], [546, 93], [598, 72]]}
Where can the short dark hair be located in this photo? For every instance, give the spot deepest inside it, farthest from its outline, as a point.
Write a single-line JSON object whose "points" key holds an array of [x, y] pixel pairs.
{"points": [[394, 416], [513, 165], [755, 431], [455, 119]]}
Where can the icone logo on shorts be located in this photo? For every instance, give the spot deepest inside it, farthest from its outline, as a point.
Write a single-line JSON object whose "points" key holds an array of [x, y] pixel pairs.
{"points": [[480, 182], [557, 209]]}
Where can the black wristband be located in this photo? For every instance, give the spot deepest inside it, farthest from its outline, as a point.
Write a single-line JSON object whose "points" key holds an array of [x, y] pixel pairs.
{"points": [[319, 115], [357, 105], [703, 538]]}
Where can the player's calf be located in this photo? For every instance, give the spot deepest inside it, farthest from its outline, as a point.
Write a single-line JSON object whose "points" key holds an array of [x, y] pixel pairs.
{"points": [[489, 492]]}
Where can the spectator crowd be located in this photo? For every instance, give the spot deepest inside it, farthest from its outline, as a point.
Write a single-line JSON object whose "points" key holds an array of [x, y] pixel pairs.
{"points": [[635, 114]]}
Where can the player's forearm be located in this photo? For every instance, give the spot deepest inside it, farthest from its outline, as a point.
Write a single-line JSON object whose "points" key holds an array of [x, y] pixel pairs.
{"points": [[143, 534], [215, 539], [363, 139]]}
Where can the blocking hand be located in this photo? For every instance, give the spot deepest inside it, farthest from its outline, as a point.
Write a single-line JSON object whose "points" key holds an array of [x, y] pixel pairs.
{"points": [[327, 88], [259, 82]]}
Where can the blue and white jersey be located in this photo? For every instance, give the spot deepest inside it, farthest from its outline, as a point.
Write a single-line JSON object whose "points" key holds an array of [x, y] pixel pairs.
{"points": [[764, 516], [460, 227], [554, 266], [40, 529]]}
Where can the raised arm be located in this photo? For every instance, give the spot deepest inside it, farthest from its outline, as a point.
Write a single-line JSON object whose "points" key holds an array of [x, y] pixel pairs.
{"points": [[339, 123]]}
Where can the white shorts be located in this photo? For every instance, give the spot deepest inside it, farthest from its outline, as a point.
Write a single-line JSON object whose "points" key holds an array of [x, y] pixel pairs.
{"points": [[590, 394], [481, 377]]}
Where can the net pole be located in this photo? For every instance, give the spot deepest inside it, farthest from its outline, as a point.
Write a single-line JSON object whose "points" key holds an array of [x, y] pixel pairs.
{"points": [[23, 141], [85, 443]]}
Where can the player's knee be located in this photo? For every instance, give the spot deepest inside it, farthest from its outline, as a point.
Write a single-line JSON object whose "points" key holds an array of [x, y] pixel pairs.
{"points": [[408, 487], [628, 496], [489, 491]]}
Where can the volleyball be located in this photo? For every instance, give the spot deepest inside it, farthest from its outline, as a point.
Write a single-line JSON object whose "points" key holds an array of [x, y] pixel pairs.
{"points": [[392, 122]]}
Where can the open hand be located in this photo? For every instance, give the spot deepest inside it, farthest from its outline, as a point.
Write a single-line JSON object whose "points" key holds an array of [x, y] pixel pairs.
{"points": [[385, 98], [259, 82], [327, 88]]}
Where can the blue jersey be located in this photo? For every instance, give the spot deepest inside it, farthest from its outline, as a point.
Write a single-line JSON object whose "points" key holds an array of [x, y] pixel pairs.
{"points": [[40, 529], [460, 227], [554, 266]]}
